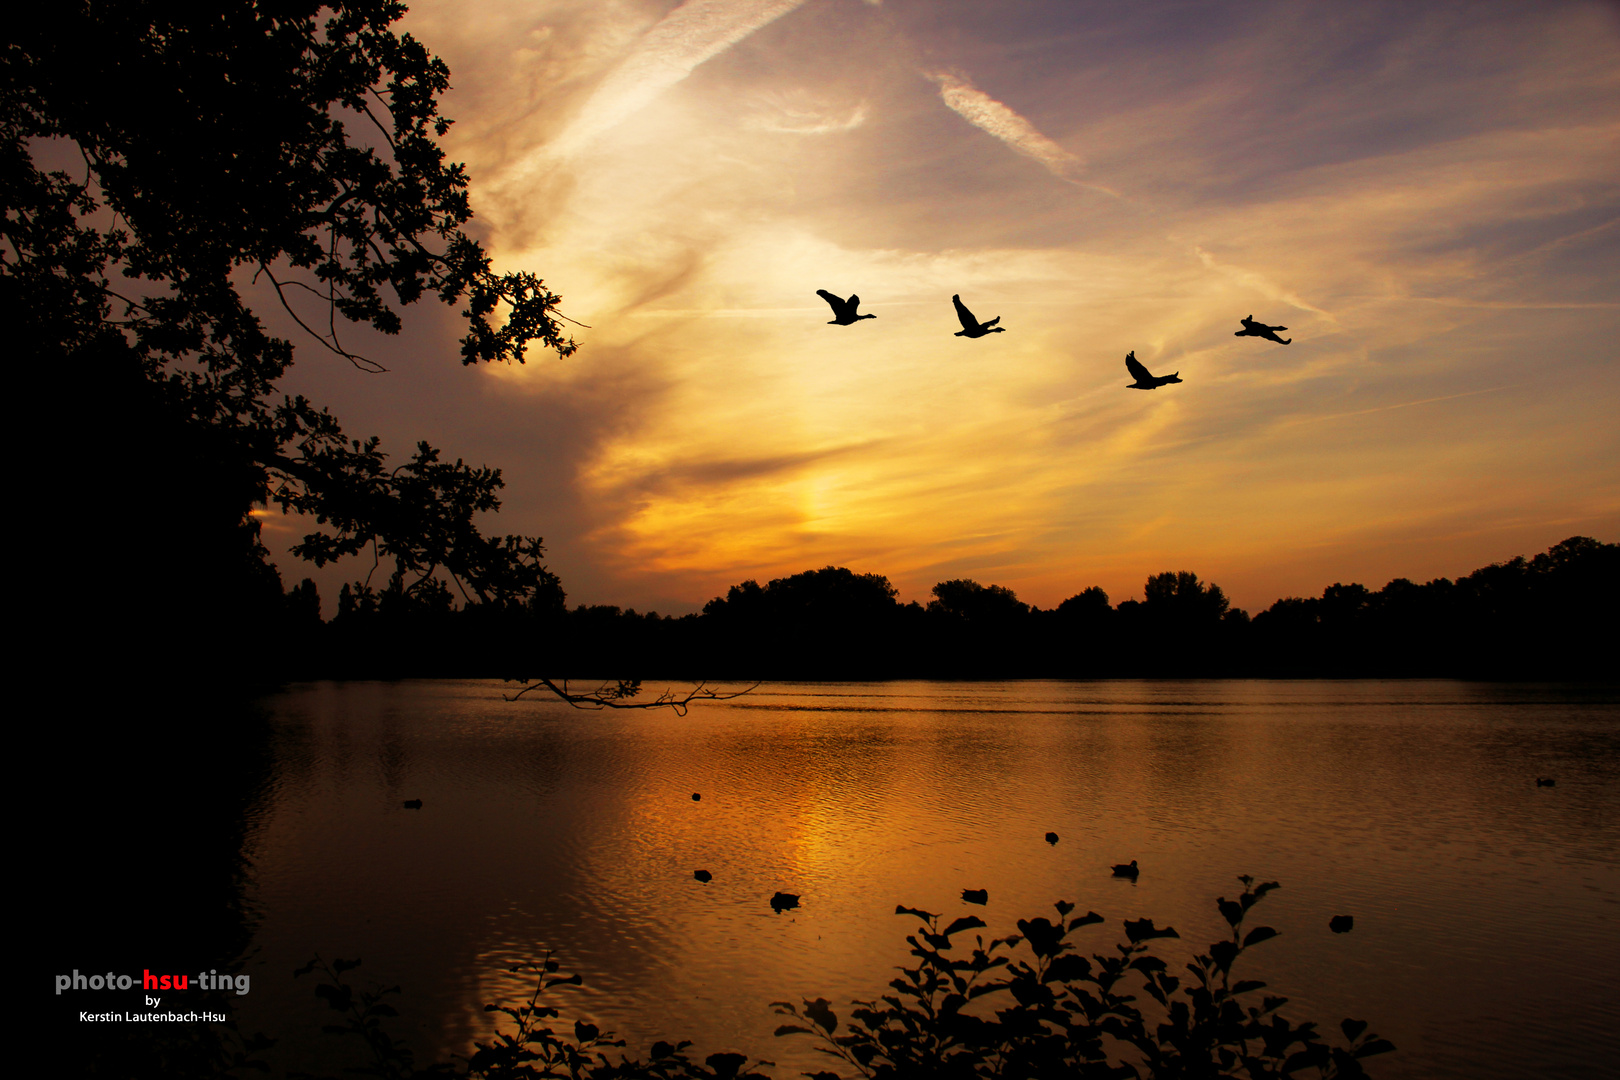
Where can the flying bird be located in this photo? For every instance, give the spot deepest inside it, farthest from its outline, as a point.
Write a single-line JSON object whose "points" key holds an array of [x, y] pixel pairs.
{"points": [[697, 796], [1260, 329], [976, 896], [972, 327], [703, 876], [782, 901], [843, 310], [1127, 870], [1544, 781], [1342, 924], [1052, 838], [413, 804], [1145, 379]]}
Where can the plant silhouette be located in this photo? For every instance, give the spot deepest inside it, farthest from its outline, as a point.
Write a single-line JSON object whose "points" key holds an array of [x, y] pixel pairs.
{"points": [[1026, 1006], [531, 1049], [130, 291], [1070, 1015], [1522, 618]]}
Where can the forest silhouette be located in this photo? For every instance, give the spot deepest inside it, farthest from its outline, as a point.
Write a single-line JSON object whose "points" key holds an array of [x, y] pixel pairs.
{"points": [[1537, 618]]}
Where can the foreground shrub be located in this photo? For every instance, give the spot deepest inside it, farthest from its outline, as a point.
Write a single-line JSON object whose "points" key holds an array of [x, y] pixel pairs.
{"points": [[949, 1017], [1068, 1016]]}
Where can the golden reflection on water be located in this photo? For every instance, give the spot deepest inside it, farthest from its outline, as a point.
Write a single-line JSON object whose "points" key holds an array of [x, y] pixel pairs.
{"points": [[1479, 899]]}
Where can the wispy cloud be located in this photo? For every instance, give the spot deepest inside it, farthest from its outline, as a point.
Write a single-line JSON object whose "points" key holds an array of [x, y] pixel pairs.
{"points": [[1260, 283], [1442, 187], [808, 120], [997, 120], [696, 31], [1402, 405]]}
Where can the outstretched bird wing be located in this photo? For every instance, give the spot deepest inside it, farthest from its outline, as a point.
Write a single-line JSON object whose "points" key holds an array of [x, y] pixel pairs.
{"points": [[1138, 372], [968, 321], [836, 303]]}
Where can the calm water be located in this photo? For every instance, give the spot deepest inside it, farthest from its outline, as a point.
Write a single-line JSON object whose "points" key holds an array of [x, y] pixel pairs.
{"points": [[1487, 932]]}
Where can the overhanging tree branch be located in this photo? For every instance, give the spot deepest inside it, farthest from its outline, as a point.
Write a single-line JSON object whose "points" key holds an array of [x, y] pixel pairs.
{"points": [[621, 695]]}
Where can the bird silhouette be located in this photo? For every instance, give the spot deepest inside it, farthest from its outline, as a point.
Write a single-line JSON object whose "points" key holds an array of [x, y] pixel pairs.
{"points": [[413, 804], [843, 310], [782, 901], [1342, 924], [1546, 782], [696, 797], [1051, 838], [972, 327], [1260, 329], [1127, 870], [703, 876], [976, 896], [1145, 379]]}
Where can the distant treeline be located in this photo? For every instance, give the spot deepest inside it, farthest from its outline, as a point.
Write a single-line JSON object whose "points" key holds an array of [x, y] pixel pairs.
{"points": [[1551, 616]]}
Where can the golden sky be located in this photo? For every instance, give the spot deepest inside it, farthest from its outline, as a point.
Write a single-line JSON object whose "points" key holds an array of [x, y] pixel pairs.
{"points": [[1426, 195]]}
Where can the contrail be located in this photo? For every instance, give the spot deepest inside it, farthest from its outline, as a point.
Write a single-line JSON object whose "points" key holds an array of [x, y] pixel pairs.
{"points": [[997, 120], [696, 31], [1403, 404], [1265, 286]]}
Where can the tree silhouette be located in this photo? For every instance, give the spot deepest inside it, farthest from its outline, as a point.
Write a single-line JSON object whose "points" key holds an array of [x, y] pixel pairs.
{"points": [[807, 625], [1087, 605], [161, 166], [214, 148], [1537, 617], [1181, 599], [964, 598]]}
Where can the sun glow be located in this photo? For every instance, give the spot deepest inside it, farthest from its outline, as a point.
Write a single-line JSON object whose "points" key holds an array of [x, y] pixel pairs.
{"points": [[691, 183]]}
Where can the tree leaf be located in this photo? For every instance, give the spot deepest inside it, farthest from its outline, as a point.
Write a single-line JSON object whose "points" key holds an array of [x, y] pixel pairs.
{"points": [[966, 922], [1143, 930], [819, 1011], [1374, 1046]]}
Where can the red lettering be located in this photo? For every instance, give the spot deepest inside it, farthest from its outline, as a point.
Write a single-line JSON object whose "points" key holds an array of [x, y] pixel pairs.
{"points": [[163, 983], [180, 982], [148, 980]]}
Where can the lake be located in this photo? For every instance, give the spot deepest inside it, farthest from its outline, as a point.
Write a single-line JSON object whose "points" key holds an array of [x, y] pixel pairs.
{"points": [[1487, 909]]}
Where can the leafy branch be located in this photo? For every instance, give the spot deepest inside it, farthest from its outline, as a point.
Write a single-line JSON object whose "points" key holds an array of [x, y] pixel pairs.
{"points": [[1068, 1015]]}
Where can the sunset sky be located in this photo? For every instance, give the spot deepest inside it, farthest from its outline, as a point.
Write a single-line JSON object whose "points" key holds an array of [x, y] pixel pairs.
{"points": [[1426, 195]]}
